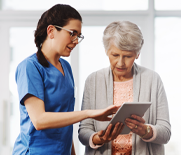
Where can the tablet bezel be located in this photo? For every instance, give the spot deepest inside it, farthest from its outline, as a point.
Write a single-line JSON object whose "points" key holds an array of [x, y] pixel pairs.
{"points": [[126, 110]]}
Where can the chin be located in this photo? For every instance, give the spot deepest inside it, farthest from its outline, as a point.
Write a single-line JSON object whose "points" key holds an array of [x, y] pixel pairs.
{"points": [[121, 72], [66, 55]]}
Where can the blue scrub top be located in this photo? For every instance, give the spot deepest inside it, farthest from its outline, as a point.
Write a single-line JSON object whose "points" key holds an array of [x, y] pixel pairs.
{"points": [[57, 92]]}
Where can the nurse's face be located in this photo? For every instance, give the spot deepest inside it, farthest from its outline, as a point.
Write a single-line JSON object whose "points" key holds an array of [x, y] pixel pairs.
{"points": [[62, 43]]}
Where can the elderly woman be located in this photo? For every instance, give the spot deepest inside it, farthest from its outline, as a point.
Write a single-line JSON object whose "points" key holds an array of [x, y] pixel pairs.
{"points": [[125, 81]]}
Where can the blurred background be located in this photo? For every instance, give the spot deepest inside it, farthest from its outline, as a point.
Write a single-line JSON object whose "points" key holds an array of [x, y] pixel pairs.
{"points": [[159, 20]]}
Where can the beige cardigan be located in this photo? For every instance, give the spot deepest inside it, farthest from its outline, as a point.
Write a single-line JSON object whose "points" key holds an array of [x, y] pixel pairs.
{"points": [[147, 86]]}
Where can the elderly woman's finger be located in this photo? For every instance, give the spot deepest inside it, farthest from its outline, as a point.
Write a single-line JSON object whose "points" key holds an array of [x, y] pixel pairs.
{"points": [[130, 125], [114, 132], [138, 118], [107, 132], [135, 128], [134, 122], [100, 133], [119, 130]]}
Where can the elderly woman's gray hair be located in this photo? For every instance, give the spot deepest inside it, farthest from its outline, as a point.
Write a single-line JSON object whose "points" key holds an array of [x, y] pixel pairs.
{"points": [[124, 35]]}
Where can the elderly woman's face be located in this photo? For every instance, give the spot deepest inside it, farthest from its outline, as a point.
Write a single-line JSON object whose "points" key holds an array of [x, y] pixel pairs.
{"points": [[121, 62]]}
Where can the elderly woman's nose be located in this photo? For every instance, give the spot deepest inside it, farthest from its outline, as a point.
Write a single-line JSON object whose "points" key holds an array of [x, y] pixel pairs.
{"points": [[120, 61]]}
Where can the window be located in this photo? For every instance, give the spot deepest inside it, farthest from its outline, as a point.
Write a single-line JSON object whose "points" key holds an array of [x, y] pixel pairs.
{"points": [[167, 4], [79, 4], [167, 51]]}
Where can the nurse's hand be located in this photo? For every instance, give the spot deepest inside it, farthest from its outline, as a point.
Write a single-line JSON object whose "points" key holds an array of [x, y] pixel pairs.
{"points": [[103, 114], [110, 134]]}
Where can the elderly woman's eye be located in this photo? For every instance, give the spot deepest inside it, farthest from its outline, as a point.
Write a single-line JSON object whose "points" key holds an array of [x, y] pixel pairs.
{"points": [[115, 55]]}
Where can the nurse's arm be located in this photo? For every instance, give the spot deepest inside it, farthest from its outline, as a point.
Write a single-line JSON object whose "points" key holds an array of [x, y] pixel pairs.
{"points": [[47, 120]]}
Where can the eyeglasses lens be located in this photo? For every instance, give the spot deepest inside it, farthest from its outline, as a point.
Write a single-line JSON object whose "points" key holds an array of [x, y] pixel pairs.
{"points": [[75, 36]]}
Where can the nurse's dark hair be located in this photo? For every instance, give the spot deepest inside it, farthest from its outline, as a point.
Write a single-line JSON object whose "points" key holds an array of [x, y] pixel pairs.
{"points": [[60, 15]]}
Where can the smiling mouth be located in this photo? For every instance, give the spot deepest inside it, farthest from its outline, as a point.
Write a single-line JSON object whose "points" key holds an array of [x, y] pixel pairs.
{"points": [[71, 48]]}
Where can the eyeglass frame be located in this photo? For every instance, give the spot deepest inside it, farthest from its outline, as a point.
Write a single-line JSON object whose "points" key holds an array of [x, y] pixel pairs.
{"points": [[72, 32]]}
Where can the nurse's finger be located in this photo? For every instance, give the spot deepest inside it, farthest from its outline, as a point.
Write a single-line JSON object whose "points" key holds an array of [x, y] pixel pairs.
{"points": [[112, 109]]}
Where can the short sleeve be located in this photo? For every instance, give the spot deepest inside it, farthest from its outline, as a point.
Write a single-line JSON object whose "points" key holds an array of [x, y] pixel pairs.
{"points": [[29, 80]]}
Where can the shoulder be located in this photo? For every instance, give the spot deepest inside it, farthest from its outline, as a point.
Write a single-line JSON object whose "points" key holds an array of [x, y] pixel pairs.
{"points": [[99, 74], [96, 80], [145, 71], [29, 62], [29, 65], [147, 74]]}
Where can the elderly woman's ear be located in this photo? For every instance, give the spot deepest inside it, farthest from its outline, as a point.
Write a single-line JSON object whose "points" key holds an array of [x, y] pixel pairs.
{"points": [[138, 56]]}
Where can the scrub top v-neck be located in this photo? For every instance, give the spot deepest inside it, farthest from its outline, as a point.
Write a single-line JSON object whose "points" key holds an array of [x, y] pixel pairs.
{"points": [[57, 92]]}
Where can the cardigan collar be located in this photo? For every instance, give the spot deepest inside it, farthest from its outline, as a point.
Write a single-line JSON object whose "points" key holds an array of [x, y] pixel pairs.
{"points": [[136, 84]]}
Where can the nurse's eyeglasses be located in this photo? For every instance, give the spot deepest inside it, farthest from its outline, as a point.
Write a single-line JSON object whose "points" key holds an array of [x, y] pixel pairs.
{"points": [[73, 34]]}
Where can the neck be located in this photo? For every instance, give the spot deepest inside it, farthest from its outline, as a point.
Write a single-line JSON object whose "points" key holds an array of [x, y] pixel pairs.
{"points": [[121, 78], [49, 54]]}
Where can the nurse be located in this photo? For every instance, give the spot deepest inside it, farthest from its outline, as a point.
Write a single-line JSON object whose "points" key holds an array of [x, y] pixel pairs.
{"points": [[46, 87]]}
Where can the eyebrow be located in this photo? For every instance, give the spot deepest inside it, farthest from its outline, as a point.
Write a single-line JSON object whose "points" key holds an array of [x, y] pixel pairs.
{"points": [[126, 54], [75, 31]]}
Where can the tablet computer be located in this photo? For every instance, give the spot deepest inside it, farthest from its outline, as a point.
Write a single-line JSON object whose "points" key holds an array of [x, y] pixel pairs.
{"points": [[126, 110]]}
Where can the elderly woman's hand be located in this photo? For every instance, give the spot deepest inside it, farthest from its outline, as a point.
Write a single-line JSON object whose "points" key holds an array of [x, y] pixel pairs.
{"points": [[110, 134], [137, 126]]}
